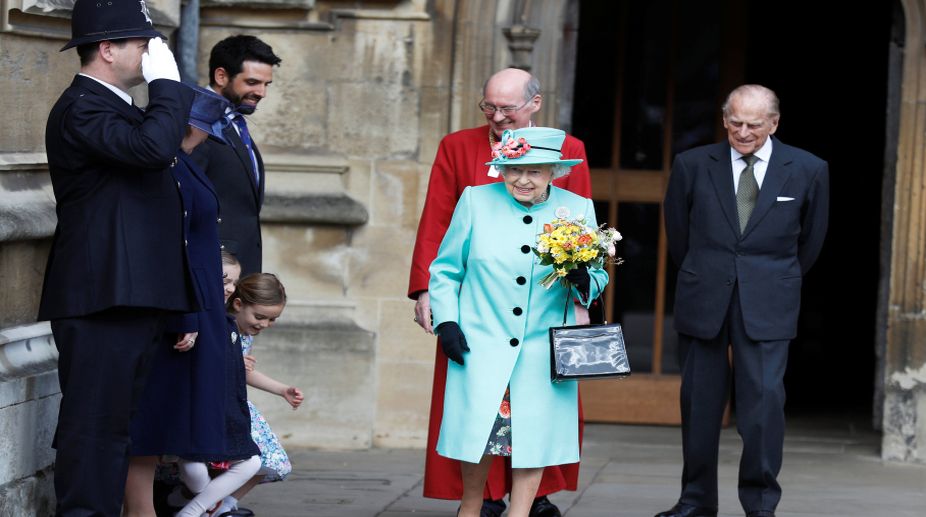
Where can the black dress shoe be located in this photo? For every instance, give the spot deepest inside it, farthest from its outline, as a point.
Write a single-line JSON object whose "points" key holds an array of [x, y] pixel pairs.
{"points": [[492, 508], [687, 510], [542, 507], [238, 512], [761, 513]]}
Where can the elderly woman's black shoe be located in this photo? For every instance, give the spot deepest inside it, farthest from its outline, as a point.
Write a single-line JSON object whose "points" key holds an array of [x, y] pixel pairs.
{"points": [[542, 507], [492, 508]]}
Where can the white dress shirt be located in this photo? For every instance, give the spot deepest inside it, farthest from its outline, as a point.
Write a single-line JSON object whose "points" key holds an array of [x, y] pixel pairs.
{"points": [[764, 154]]}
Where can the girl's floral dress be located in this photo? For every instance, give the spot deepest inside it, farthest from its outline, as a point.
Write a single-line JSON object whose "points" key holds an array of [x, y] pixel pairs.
{"points": [[500, 438], [274, 463]]}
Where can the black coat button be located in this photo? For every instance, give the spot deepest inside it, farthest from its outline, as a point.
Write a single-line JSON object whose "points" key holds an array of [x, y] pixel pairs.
{"points": [[521, 280], [528, 219], [517, 311], [514, 341], [525, 249]]}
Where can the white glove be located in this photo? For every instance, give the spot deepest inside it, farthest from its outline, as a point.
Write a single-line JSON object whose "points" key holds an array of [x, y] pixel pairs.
{"points": [[158, 62]]}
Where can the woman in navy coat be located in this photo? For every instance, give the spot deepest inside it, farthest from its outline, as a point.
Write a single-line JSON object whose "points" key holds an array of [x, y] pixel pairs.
{"points": [[182, 409]]}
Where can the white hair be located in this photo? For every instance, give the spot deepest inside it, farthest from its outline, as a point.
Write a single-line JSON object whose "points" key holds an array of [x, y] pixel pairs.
{"points": [[559, 169]]}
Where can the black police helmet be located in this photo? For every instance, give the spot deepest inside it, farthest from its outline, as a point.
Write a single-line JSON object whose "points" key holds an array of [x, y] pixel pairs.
{"points": [[99, 20]]}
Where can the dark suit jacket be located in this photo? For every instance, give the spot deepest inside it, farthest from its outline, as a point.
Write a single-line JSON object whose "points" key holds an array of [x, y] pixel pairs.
{"points": [[766, 262], [118, 241], [232, 173]]}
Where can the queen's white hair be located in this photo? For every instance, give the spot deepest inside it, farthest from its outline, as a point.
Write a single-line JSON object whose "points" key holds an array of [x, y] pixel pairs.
{"points": [[559, 170]]}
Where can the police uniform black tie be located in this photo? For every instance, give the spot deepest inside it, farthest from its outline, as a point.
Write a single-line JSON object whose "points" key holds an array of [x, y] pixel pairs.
{"points": [[747, 192]]}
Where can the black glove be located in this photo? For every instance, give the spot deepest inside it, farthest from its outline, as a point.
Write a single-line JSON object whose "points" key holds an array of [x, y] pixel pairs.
{"points": [[452, 341], [580, 278]]}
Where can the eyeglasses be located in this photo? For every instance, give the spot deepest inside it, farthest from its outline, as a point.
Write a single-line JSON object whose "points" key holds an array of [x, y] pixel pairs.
{"points": [[490, 109]]}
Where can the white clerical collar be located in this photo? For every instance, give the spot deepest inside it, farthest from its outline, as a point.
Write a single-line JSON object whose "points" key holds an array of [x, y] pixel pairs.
{"points": [[122, 95]]}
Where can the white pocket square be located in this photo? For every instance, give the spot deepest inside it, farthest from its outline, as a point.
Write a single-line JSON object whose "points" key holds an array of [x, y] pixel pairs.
{"points": [[782, 198]]}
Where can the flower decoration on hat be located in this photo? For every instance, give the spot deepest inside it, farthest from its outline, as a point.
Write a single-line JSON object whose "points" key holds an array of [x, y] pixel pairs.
{"points": [[509, 147]]}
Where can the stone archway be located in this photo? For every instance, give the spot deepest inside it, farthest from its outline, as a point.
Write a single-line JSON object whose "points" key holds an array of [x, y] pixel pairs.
{"points": [[903, 304]]}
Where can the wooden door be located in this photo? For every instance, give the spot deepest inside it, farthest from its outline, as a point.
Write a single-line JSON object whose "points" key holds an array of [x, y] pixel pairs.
{"points": [[649, 83]]}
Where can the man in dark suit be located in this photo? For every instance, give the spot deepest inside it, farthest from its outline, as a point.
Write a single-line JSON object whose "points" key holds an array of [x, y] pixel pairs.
{"points": [[745, 220], [116, 265], [240, 69]]}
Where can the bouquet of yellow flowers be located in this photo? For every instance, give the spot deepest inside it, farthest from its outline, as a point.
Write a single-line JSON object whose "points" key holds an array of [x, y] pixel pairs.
{"points": [[566, 244]]}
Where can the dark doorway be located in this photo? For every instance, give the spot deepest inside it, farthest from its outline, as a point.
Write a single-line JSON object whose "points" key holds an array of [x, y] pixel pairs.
{"points": [[829, 66]]}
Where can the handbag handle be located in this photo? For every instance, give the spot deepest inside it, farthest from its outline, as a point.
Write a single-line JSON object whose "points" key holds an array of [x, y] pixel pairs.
{"points": [[569, 296]]}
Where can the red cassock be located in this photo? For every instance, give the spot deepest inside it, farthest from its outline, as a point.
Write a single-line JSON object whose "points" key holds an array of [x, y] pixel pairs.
{"points": [[460, 163]]}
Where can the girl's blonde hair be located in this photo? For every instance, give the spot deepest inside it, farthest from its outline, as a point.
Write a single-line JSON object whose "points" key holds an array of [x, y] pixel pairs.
{"points": [[229, 260]]}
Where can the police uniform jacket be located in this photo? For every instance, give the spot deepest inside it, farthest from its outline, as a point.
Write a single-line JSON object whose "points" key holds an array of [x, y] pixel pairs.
{"points": [[486, 278], [118, 240]]}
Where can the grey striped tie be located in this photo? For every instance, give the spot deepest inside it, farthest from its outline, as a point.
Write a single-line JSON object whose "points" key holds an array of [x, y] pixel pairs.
{"points": [[747, 192]]}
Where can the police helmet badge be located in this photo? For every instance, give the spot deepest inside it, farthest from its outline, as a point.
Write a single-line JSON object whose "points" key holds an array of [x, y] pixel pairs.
{"points": [[144, 10]]}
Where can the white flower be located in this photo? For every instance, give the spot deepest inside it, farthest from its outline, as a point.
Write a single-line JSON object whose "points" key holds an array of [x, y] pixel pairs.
{"points": [[561, 212]]}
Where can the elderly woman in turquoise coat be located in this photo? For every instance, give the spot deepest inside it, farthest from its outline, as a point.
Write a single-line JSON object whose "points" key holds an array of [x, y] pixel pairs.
{"points": [[493, 318]]}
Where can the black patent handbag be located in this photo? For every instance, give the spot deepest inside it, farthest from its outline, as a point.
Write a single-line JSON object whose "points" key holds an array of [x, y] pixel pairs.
{"points": [[594, 351]]}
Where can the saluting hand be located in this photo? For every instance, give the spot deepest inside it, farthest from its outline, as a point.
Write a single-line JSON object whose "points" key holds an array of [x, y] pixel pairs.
{"points": [[452, 341], [158, 62]]}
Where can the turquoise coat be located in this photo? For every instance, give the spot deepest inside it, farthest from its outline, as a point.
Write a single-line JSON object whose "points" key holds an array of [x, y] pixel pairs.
{"points": [[486, 279]]}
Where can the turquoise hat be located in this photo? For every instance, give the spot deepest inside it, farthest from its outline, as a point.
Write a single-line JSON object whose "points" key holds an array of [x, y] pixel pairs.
{"points": [[530, 146]]}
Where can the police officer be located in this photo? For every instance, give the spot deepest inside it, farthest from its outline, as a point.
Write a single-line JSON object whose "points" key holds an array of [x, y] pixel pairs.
{"points": [[116, 262]]}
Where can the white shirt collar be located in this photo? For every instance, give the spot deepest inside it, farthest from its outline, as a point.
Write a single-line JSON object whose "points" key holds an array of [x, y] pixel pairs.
{"points": [[122, 95], [764, 153]]}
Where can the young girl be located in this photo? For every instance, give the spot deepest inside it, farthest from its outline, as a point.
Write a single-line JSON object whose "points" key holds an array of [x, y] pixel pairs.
{"points": [[257, 302]]}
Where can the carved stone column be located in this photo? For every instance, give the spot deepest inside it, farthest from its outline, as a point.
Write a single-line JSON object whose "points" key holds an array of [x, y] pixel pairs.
{"points": [[521, 40], [905, 352]]}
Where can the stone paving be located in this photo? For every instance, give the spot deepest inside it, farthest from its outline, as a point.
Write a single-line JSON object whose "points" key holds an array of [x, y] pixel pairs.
{"points": [[832, 468]]}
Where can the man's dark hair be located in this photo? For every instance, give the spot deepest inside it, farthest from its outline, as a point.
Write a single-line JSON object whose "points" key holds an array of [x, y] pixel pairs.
{"points": [[88, 51], [232, 51]]}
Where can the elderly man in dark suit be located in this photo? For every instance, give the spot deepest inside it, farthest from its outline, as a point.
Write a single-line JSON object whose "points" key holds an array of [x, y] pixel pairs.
{"points": [[116, 264], [241, 70], [745, 220]]}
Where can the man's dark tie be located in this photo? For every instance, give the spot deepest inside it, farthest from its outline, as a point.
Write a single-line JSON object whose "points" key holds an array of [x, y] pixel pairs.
{"points": [[246, 139], [747, 192]]}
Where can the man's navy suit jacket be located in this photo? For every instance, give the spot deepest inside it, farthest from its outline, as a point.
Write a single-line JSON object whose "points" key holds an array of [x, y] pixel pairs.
{"points": [[240, 198], [118, 242], [766, 262]]}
